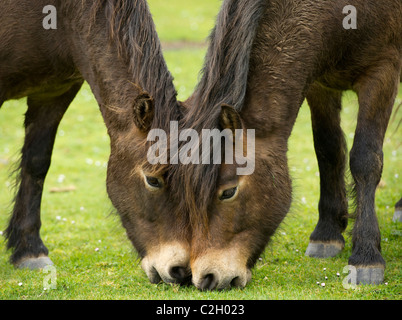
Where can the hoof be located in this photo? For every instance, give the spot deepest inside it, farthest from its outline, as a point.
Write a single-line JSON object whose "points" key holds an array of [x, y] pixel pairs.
{"points": [[34, 263], [324, 249], [397, 215], [367, 275]]}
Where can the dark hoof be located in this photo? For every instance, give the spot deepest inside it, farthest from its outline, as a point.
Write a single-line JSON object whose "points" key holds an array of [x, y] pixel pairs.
{"points": [[397, 215], [324, 249], [34, 263], [370, 275]]}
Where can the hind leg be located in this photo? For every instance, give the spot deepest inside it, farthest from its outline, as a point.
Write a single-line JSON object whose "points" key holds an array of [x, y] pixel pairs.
{"points": [[41, 123], [330, 147], [376, 91], [398, 211]]}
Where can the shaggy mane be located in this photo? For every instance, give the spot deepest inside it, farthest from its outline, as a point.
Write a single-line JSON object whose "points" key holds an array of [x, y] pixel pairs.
{"points": [[133, 32], [224, 81]]}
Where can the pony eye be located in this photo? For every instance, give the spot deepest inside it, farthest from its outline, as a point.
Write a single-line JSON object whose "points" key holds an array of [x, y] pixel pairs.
{"points": [[153, 182], [228, 194]]}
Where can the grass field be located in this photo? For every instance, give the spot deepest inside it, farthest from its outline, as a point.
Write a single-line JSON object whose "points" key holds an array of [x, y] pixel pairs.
{"points": [[93, 258]]}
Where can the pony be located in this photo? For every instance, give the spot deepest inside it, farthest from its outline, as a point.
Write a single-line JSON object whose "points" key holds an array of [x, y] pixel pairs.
{"points": [[113, 45], [265, 57]]}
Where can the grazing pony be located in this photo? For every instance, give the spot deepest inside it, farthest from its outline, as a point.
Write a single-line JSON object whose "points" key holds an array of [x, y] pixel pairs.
{"points": [[113, 45], [264, 58]]}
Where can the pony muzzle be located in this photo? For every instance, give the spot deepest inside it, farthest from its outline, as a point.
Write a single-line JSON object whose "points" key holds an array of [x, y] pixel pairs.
{"points": [[168, 263], [220, 269]]}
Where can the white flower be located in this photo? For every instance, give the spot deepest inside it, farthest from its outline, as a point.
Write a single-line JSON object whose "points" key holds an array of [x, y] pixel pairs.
{"points": [[61, 178]]}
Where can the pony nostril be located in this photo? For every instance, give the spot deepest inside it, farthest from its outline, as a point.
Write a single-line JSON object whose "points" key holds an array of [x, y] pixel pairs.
{"points": [[209, 282], [180, 274], [154, 276], [236, 282]]}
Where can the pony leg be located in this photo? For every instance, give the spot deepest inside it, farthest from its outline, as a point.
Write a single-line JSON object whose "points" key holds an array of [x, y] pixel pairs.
{"points": [[398, 212], [41, 123], [376, 91], [330, 147]]}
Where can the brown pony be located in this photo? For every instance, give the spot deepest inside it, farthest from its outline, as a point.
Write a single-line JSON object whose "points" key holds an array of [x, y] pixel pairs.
{"points": [[265, 57], [113, 45]]}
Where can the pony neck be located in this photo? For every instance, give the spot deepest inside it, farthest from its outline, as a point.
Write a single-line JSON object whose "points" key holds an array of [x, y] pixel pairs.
{"points": [[120, 53]]}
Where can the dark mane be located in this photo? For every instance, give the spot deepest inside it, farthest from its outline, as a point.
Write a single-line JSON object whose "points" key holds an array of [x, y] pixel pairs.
{"points": [[223, 81], [226, 66], [133, 32]]}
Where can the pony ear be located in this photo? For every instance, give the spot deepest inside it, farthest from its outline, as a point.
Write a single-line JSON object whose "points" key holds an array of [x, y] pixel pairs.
{"points": [[229, 118], [143, 111]]}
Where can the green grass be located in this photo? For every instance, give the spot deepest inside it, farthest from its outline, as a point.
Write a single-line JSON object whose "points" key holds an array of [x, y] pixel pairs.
{"points": [[183, 20], [93, 258]]}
